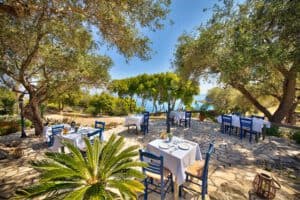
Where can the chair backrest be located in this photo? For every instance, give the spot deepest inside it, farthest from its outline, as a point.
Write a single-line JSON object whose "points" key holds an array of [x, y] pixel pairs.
{"points": [[100, 125], [208, 154], [73, 124], [57, 129], [155, 163], [188, 114], [259, 117], [226, 119], [95, 133], [146, 113], [246, 123]]}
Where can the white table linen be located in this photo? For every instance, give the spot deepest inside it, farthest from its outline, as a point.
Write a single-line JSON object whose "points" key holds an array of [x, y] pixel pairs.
{"points": [[75, 138], [177, 116], [257, 123], [175, 159], [134, 120]]}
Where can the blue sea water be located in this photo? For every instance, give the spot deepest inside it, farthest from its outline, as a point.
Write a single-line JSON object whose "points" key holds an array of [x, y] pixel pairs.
{"points": [[178, 105]]}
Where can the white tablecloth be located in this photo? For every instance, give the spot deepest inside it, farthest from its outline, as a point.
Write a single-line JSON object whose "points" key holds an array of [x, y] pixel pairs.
{"points": [[177, 116], [175, 159], [134, 120], [74, 138], [257, 123]]}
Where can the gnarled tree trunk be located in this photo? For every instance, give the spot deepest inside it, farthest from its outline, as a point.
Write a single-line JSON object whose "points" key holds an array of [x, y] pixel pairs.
{"points": [[288, 98], [32, 112]]}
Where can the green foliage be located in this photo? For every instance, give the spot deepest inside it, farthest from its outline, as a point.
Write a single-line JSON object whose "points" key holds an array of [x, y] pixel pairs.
{"points": [[108, 104], [160, 88], [7, 101], [10, 124], [228, 100], [296, 137], [273, 131], [251, 46], [102, 103], [47, 49], [108, 171], [123, 106]]}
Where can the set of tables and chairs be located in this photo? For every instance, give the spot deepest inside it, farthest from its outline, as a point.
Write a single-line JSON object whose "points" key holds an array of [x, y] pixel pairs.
{"points": [[181, 117], [70, 132], [171, 164], [252, 125], [139, 121]]}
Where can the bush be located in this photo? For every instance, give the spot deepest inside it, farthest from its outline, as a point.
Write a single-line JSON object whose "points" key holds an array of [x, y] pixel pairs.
{"points": [[8, 127], [296, 137], [273, 131], [108, 104], [11, 124], [7, 101], [52, 107], [92, 110], [28, 123]]}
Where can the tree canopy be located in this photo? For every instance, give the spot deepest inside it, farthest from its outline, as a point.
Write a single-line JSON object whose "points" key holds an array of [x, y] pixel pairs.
{"points": [[159, 88], [229, 100], [253, 47], [47, 48]]}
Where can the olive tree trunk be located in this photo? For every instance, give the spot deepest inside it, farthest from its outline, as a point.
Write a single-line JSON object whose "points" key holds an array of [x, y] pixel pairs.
{"points": [[33, 113]]}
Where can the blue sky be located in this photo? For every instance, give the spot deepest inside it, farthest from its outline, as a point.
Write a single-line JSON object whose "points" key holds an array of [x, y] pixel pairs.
{"points": [[186, 15]]}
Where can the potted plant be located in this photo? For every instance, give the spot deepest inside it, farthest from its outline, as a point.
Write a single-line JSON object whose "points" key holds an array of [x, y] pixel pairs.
{"points": [[170, 136]]}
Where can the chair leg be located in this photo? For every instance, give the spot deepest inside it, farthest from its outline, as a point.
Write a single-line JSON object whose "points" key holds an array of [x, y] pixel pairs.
{"points": [[162, 192], [241, 133], [180, 191], [146, 189], [172, 184]]}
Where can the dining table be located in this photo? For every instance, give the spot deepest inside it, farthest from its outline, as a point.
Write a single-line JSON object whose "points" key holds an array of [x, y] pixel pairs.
{"points": [[135, 120], [74, 137], [178, 154], [257, 123], [177, 116]]}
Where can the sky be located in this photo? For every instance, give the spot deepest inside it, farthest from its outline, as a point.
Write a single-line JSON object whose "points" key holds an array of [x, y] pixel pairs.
{"points": [[186, 16]]}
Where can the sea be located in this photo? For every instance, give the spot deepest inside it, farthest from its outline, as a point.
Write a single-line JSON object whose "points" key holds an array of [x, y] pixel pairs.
{"points": [[197, 102]]}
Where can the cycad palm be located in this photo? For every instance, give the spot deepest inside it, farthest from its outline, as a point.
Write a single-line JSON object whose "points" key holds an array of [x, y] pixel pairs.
{"points": [[107, 172]]}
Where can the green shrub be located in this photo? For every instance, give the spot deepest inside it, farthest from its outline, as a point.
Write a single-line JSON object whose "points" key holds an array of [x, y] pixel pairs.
{"points": [[12, 124], [27, 123], [52, 107], [92, 110], [8, 127], [273, 131], [296, 137], [7, 101]]}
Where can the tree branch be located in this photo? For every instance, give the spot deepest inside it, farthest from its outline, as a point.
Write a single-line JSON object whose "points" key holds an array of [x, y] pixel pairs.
{"points": [[252, 99]]}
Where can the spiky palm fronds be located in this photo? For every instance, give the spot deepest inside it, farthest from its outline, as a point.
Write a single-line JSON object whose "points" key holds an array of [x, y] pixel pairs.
{"points": [[107, 172]]}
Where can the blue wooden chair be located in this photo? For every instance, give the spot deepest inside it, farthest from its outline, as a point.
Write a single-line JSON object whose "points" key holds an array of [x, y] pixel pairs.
{"points": [[92, 134], [56, 129], [196, 173], [226, 125], [100, 125], [257, 116], [187, 119], [156, 175], [146, 113], [246, 126], [145, 124]]}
